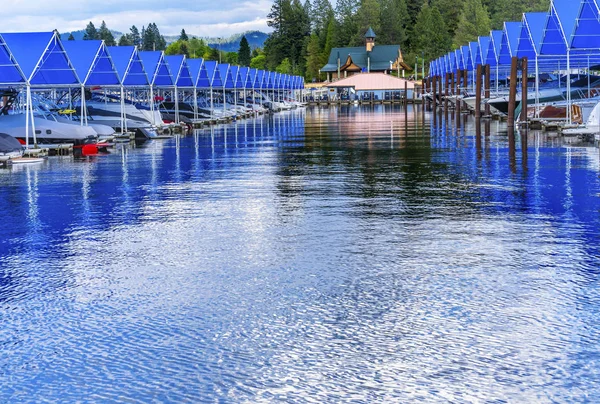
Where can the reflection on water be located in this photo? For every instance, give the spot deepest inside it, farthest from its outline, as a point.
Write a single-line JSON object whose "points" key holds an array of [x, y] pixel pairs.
{"points": [[319, 255]]}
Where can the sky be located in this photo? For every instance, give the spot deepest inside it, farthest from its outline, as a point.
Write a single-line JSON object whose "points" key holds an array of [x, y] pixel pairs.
{"points": [[204, 18]]}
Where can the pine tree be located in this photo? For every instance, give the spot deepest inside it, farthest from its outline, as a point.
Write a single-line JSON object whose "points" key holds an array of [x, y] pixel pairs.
{"points": [[71, 37], [105, 35], [450, 10], [313, 58], [125, 40], [346, 16], [135, 37], [473, 22], [394, 20], [183, 36], [368, 15], [244, 52], [430, 33], [90, 32]]}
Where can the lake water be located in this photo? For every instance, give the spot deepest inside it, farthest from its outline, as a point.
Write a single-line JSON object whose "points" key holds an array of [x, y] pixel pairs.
{"points": [[314, 256]]}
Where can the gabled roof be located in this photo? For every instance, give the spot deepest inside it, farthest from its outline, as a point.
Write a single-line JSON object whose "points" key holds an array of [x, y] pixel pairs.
{"points": [[259, 83], [92, 62], [244, 74], [237, 79], [532, 31], [157, 68], [181, 71], [586, 35], [484, 44], [199, 73], [560, 23], [225, 70], [510, 40], [380, 56], [213, 74], [129, 65], [10, 72], [42, 58], [494, 48]]}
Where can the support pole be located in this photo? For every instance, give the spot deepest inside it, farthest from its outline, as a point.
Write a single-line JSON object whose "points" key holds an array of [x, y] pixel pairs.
{"points": [[487, 89], [512, 95], [434, 92], [478, 92], [524, 90]]}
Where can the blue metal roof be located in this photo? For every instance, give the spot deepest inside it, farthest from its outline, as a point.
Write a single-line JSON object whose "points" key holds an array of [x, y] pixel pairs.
{"points": [[532, 31], [586, 35], [560, 23], [157, 68], [225, 70], [484, 44], [260, 79], [10, 73], [42, 58], [213, 74], [253, 77], [129, 66], [510, 41], [92, 62], [244, 73], [494, 48], [180, 70], [237, 79]]}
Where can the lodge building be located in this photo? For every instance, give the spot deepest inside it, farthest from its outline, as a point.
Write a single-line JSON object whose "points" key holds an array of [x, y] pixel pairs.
{"points": [[345, 62]]}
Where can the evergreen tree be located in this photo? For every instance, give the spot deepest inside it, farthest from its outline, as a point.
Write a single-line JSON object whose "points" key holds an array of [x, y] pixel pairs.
{"points": [[152, 39], [329, 41], [368, 15], [291, 27], [346, 16], [394, 20], [314, 58], [90, 32], [473, 22], [430, 33], [244, 52], [183, 36], [184, 49], [71, 37], [450, 10], [125, 40], [321, 11], [105, 35], [135, 37]]}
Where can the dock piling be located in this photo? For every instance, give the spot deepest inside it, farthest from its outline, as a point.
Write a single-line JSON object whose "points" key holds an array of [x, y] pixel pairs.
{"points": [[512, 94]]}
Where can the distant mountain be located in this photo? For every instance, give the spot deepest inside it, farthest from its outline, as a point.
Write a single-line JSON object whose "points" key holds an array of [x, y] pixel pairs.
{"points": [[256, 39], [78, 35]]}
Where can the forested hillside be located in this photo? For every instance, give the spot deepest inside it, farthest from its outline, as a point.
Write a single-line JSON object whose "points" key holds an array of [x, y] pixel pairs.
{"points": [[304, 33]]}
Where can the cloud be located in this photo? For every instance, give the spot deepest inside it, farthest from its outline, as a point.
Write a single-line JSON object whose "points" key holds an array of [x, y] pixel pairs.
{"points": [[199, 17]]}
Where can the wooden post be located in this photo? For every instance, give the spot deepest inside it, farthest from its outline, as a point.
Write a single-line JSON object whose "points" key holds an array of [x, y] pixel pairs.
{"points": [[524, 90], [478, 92], [512, 94], [406, 92], [441, 89], [488, 83], [457, 93], [446, 90], [465, 82], [434, 92]]}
